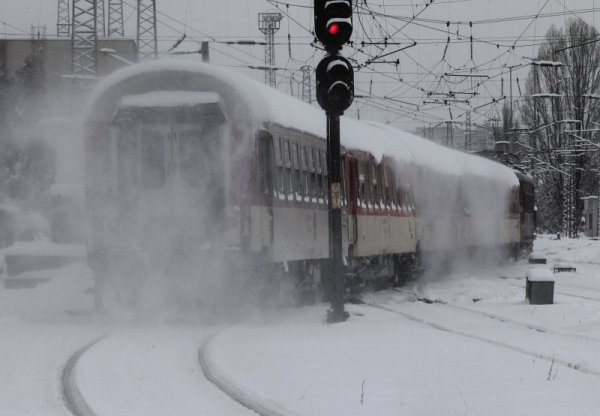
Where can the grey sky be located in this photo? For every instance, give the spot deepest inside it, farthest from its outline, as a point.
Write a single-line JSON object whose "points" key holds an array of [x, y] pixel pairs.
{"points": [[420, 69]]}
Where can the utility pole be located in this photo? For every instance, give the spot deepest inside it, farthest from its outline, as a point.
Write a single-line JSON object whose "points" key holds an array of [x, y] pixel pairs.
{"points": [[84, 38], [335, 93], [205, 51], [269, 23], [116, 28], [63, 22], [147, 42], [449, 134], [510, 118], [306, 84], [468, 133]]}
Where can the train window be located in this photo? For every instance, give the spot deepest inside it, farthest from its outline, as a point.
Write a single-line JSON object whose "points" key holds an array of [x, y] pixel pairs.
{"points": [[362, 185], [297, 177], [312, 183], [288, 167], [374, 190], [286, 154], [152, 160], [385, 185], [303, 157], [319, 184], [391, 185], [277, 151], [265, 162], [279, 165], [311, 163], [304, 167], [317, 160]]}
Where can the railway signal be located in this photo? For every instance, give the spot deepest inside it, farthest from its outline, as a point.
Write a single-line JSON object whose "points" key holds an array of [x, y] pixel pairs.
{"points": [[335, 92], [333, 22], [335, 84]]}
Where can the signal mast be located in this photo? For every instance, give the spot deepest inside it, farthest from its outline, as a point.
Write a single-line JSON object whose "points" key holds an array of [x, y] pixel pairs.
{"points": [[335, 93]]}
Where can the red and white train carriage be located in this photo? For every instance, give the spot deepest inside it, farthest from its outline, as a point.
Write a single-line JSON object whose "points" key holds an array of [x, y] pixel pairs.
{"points": [[185, 159]]}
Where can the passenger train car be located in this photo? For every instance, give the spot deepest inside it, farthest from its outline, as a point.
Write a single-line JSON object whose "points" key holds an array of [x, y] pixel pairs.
{"points": [[184, 160]]}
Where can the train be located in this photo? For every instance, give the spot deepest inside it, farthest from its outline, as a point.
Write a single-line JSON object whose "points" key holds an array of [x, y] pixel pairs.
{"points": [[188, 162]]}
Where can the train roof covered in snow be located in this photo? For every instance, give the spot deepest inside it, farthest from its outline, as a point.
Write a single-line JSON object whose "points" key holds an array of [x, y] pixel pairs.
{"points": [[250, 105]]}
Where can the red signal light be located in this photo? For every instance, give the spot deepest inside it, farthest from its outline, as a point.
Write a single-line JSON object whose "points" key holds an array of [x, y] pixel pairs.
{"points": [[333, 29]]}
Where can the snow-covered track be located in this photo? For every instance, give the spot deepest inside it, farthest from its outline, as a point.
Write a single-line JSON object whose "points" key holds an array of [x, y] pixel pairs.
{"points": [[509, 321], [73, 397], [578, 366], [212, 374]]}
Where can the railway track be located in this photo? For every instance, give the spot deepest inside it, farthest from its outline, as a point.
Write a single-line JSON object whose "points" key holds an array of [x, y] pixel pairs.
{"points": [[508, 321], [580, 365], [212, 374], [164, 391], [72, 395]]}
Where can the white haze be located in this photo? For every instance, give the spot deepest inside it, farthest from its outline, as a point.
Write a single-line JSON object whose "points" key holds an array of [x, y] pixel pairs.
{"points": [[161, 273]]}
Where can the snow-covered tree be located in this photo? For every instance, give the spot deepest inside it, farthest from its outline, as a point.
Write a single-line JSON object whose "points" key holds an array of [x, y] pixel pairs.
{"points": [[560, 109]]}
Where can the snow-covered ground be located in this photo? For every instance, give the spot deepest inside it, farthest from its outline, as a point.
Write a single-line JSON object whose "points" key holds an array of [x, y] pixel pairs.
{"points": [[467, 343], [479, 348]]}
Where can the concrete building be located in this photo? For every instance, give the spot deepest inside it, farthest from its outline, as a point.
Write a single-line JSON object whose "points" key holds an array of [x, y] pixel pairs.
{"points": [[56, 55], [60, 93]]}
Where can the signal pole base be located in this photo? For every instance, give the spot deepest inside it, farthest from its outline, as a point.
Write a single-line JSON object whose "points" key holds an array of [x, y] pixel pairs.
{"points": [[335, 317]]}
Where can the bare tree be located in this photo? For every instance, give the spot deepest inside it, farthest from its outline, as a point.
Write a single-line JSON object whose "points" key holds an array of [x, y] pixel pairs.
{"points": [[560, 110]]}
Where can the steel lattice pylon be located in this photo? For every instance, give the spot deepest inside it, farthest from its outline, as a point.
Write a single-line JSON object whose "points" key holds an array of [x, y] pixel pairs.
{"points": [[100, 19], [146, 30], [306, 84], [63, 22], [83, 38], [569, 207], [469, 133], [568, 203], [115, 19], [269, 23]]}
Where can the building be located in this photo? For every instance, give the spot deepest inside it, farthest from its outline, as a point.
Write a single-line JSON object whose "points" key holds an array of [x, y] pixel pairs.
{"points": [[56, 55], [53, 60]]}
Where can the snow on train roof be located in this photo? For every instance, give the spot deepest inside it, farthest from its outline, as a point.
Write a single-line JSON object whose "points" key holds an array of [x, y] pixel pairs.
{"points": [[170, 99], [264, 104]]}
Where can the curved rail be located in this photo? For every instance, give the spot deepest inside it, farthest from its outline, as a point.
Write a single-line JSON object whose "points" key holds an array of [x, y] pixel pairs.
{"points": [[212, 374], [73, 397]]}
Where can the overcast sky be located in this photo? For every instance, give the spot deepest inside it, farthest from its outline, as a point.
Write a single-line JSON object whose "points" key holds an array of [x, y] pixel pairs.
{"points": [[418, 79]]}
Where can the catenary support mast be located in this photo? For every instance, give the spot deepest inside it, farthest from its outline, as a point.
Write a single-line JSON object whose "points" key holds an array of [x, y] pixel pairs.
{"points": [[269, 23]]}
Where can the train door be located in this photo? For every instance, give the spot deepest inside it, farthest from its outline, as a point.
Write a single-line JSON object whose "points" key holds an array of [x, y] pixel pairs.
{"points": [[146, 180], [198, 179]]}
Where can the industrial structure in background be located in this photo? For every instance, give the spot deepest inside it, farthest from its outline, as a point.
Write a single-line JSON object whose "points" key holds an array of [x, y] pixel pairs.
{"points": [[146, 30], [116, 28], [84, 38], [89, 22], [306, 84], [269, 23]]}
